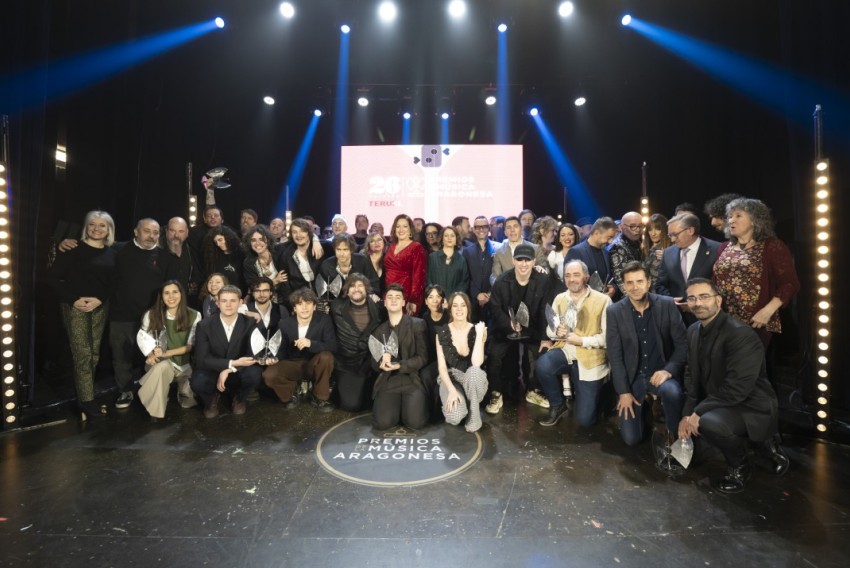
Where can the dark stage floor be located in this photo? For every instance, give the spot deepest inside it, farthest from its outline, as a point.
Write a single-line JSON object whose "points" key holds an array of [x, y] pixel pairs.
{"points": [[249, 491]]}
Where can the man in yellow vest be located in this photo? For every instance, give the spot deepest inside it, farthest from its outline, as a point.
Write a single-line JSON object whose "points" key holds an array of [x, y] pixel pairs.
{"points": [[578, 348]]}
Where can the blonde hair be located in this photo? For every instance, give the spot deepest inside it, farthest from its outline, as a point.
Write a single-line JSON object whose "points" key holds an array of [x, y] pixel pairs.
{"points": [[91, 215]]}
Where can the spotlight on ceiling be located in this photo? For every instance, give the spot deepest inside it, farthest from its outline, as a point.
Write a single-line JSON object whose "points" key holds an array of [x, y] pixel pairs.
{"points": [[565, 10], [268, 100], [580, 101], [317, 112], [219, 22], [502, 28], [627, 19], [387, 11], [533, 111], [445, 116], [363, 101], [457, 9], [345, 28], [287, 10], [406, 116], [490, 101]]}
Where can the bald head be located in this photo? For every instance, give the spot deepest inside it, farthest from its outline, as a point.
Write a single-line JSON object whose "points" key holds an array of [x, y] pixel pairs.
{"points": [[176, 233], [631, 225]]}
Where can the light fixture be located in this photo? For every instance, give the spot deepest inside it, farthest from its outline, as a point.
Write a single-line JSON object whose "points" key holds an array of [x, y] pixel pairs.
{"points": [[387, 11], [627, 19], [219, 23], [444, 116], [268, 100], [193, 210], [644, 195], [533, 111], [565, 10], [823, 313], [457, 9], [490, 101], [317, 112], [406, 116], [8, 358], [580, 101], [363, 101], [502, 28], [287, 10], [61, 156], [345, 28]]}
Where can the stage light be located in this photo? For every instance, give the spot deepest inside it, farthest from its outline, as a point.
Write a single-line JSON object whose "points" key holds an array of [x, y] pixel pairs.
{"points": [[821, 166], [268, 100], [822, 180], [287, 10], [317, 112], [502, 28], [822, 400], [457, 9], [565, 10], [444, 116], [219, 23], [363, 101], [345, 28], [627, 19], [387, 11], [490, 101], [823, 315], [406, 116], [580, 101], [61, 155], [533, 111]]}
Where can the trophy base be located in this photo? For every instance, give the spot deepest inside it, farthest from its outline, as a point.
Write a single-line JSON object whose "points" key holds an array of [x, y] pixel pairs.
{"points": [[517, 336]]}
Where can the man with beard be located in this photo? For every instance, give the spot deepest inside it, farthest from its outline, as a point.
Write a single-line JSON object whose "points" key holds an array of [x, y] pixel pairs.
{"points": [[190, 273], [626, 247], [729, 400], [355, 317], [578, 348]]}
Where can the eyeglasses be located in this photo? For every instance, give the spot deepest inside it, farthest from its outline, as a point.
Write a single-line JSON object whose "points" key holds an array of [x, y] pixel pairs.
{"points": [[481, 227], [676, 234], [701, 299], [430, 234], [634, 227]]}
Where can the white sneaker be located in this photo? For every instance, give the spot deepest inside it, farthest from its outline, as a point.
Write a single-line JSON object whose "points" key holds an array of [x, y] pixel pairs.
{"points": [[496, 403], [535, 397]]}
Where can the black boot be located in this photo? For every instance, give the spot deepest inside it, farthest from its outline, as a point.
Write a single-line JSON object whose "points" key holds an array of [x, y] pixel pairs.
{"points": [[777, 457], [555, 414], [735, 479]]}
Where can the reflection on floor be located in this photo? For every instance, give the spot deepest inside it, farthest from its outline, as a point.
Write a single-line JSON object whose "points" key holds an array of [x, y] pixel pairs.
{"points": [[249, 491]]}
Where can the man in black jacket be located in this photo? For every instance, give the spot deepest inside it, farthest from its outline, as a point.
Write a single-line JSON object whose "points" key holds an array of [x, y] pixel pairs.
{"points": [[729, 401], [355, 316], [479, 260], [520, 285]]}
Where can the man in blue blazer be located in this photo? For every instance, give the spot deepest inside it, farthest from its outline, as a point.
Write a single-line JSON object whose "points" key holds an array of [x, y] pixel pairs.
{"points": [[696, 254], [647, 352]]}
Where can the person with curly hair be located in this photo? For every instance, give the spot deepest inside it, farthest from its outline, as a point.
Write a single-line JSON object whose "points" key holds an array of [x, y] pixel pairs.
{"points": [[222, 253]]}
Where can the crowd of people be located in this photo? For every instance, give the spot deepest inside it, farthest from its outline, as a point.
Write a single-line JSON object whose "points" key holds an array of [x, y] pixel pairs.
{"points": [[428, 322]]}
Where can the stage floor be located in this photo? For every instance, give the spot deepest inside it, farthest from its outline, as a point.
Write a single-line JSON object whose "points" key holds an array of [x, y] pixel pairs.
{"points": [[249, 491]]}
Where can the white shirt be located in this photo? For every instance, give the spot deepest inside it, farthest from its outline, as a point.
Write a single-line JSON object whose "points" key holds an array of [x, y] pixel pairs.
{"points": [[228, 329], [692, 254]]}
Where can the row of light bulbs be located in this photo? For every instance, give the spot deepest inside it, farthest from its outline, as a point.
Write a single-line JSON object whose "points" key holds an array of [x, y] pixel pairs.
{"points": [[824, 306], [7, 311]]}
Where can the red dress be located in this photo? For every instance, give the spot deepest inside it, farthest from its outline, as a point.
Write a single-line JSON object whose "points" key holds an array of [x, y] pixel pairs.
{"points": [[408, 269]]}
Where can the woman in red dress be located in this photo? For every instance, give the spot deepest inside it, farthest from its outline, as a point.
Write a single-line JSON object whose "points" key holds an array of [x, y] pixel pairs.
{"points": [[405, 263]]}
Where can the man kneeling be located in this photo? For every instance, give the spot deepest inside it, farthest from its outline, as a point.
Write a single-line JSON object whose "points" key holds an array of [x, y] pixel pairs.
{"points": [[399, 396]]}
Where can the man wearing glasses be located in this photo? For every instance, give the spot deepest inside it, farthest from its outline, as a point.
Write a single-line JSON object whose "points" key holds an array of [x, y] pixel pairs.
{"points": [[691, 256], [729, 401], [479, 260], [626, 247]]}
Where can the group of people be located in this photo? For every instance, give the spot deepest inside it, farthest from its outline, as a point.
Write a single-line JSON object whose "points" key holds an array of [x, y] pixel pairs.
{"points": [[436, 322]]}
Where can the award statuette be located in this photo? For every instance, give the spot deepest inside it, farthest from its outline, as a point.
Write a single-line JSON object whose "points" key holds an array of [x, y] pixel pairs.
{"points": [[265, 348], [377, 348], [162, 342], [519, 317]]}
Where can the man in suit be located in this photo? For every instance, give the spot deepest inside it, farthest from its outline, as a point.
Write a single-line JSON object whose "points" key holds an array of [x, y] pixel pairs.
{"points": [[307, 346], [223, 361], [503, 259], [691, 256], [592, 253], [479, 260], [399, 395], [729, 401], [647, 351]]}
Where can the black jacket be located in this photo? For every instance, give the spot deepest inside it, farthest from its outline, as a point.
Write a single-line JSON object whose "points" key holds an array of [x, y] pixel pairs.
{"points": [[353, 344], [320, 332], [507, 293]]}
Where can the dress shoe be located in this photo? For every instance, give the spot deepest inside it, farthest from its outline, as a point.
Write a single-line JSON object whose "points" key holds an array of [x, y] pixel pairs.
{"points": [[238, 408], [735, 479], [321, 405], [777, 457], [555, 414], [90, 410], [125, 399], [292, 404], [212, 410]]}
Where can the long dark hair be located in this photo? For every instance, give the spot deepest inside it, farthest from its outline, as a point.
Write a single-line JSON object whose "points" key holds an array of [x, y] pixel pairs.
{"points": [[211, 252], [157, 317]]}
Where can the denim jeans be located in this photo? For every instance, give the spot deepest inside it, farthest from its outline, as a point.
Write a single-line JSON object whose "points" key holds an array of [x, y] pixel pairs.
{"points": [[672, 398], [550, 366]]}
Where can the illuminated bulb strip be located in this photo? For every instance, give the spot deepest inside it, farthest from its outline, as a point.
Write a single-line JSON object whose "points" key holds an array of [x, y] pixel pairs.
{"points": [[644, 210], [193, 210], [8, 362], [823, 314]]}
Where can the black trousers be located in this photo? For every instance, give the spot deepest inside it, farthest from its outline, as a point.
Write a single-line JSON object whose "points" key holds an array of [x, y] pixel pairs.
{"points": [[239, 385], [724, 428], [400, 400], [353, 385], [125, 352], [502, 352]]}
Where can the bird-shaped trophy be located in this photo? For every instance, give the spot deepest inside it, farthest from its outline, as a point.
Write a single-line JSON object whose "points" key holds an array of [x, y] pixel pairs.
{"points": [[519, 317]]}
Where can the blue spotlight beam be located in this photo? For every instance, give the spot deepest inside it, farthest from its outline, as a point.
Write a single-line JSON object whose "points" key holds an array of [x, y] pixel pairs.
{"points": [[444, 131], [405, 131], [774, 87], [296, 171], [579, 196], [74, 73], [503, 103]]}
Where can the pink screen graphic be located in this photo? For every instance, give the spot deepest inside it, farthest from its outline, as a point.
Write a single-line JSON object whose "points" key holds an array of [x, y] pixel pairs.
{"points": [[434, 182]]}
